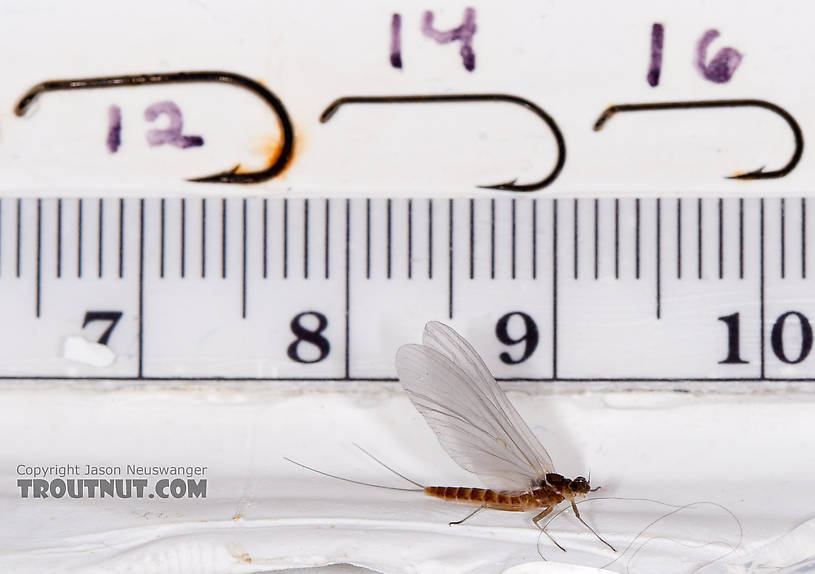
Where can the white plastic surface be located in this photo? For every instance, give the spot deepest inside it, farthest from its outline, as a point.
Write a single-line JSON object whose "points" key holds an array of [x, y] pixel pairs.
{"points": [[263, 513]]}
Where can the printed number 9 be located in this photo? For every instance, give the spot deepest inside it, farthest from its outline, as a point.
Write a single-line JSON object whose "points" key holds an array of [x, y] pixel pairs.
{"points": [[530, 336]]}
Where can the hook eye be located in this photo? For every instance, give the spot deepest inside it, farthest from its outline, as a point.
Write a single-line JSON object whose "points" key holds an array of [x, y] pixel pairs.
{"points": [[233, 175]]}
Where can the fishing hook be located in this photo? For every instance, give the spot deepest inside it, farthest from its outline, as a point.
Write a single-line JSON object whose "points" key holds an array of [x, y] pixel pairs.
{"points": [[759, 173], [457, 98], [229, 176]]}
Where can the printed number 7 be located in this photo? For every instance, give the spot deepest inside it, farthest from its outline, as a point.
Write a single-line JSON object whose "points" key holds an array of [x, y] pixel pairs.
{"points": [[112, 316]]}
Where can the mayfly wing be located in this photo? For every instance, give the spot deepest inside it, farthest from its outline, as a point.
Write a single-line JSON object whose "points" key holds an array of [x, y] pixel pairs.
{"points": [[470, 414], [445, 340]]}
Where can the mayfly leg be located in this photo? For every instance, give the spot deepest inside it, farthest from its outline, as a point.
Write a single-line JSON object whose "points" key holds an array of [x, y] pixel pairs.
{"points": [[577, 514], [537, 518], [463, 520]]}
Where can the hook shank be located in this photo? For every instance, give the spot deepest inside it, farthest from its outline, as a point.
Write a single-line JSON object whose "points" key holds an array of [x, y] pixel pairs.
{"points": [[229, 176]]}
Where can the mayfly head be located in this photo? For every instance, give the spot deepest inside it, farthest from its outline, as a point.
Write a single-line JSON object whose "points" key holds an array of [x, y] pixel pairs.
{"points": [[580, 486]]}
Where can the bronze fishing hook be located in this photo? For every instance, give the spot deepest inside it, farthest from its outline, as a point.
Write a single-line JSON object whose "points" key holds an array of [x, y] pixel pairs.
{"points": [[458, 98], [229, 176], [759, 173]]}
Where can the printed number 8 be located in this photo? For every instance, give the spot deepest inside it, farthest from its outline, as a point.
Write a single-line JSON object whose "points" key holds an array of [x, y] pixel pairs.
{"points": [[312, 336]]}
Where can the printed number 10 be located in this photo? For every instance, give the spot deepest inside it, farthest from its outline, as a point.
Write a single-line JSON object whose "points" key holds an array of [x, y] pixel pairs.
{"points": [[776, 338]]}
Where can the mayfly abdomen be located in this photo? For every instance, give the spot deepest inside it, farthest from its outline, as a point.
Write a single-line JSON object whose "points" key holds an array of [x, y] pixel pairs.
{"points": [[518, 501]]}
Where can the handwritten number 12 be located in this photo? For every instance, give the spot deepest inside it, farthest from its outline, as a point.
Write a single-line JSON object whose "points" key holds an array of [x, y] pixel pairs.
{"points": [[171, 135]]}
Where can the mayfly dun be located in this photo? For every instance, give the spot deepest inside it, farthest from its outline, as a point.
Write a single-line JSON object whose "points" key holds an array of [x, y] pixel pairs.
{"points": [[450, 385]]}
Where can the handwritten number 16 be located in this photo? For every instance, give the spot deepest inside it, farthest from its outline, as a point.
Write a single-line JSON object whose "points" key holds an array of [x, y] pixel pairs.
{"points": [[171, 135], [719, 69]]}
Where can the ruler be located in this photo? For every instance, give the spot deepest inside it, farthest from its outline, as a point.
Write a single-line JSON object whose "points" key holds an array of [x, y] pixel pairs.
{"points": [[608, 289]]}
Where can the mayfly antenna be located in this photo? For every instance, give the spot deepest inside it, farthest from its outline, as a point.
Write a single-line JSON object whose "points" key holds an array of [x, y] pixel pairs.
{"points": [[334, 106], [759, 173], [233, 175]]}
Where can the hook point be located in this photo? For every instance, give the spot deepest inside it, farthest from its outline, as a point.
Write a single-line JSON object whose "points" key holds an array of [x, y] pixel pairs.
{"points": [[755, 174]]}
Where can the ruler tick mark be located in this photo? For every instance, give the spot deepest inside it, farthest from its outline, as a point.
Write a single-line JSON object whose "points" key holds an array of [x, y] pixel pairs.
{"points": [[347, 288], [39, 255], [534, 239], [305, 239], [265, 238], [514, 234], [203, 238], [285, 239], [679, 238], [741, 238], [576, 243], [721, 238], [472, 238], [327, 227], [450, 260], [79, 240], [492, 239], [121, 236], [161, 241], [243, 260], [368, 238], [19, 233], [100, 238], [783, 246], [699, 237], [637, 238], [659, 258], [596, 238], [389, 238], [803, 238], [430, 238], [554, 288], [141, 289], [761, 334], [223, 239], [616, 238], [59, 238], [183, 253], [410, 239]]}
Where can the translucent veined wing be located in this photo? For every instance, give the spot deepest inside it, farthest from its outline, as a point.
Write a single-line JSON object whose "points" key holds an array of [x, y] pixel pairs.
{"points": [[470, 414]]}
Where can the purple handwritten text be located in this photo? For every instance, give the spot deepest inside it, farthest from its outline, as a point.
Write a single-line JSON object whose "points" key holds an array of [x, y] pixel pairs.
{"points": [[172, 134], [723, 65], [654, 69], [463, 33], [114, 139], [396, 41]]}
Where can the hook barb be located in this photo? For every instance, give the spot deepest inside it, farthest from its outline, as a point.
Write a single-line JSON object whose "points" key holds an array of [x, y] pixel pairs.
{"points": [[759, 173], [229, 176], [511, 185]]}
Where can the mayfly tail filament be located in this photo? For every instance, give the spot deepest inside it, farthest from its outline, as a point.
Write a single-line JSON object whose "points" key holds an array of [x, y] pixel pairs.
{"points": [[421, 489]]}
